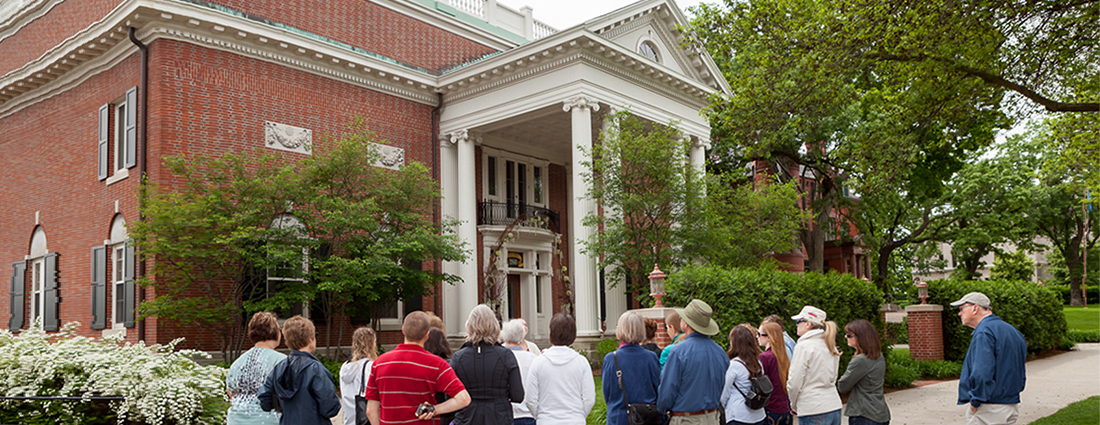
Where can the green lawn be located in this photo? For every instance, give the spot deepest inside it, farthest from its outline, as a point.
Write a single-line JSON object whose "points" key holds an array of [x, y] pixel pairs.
{"points": [[1084, 412], [1082, 319], [598, 416]]}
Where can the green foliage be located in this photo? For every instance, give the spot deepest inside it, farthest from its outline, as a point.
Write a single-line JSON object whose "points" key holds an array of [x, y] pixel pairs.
{"points": [[1084, 412], [1076, 335], [1016, 265], [896, 333], [902, 371], [747, 221], [598, 415], [749, 295], [363, 231], [333, 367], [1034, 310], [1063, 291], [641, 178], [605, 347]]}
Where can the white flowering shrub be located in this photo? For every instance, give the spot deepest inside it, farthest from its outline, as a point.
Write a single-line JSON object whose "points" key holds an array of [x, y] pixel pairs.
{"points": [[160, 385]]}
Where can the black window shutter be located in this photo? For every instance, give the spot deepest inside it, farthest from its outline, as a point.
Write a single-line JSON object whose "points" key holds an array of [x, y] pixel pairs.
{"points": [[130, 145], [51, 320], [18, 302], [130, 300], [103, 147], [99, 287]]}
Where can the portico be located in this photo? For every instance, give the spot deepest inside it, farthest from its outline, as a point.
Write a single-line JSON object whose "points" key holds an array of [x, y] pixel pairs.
{"points": [[516, 131]]}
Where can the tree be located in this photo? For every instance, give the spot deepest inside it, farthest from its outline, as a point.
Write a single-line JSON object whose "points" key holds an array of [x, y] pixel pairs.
{"points": [[1038, 49], [875, 129], [1016, 265], [331, 228], [370, 228], [206, 240], [651, 199]]}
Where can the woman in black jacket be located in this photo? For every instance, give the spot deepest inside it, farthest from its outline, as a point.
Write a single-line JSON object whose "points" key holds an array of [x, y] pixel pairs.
{"points": [[488, 370]]}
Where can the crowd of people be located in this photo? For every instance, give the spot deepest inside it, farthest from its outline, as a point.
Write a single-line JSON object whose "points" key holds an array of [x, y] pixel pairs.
{"points": [[499, 377]]}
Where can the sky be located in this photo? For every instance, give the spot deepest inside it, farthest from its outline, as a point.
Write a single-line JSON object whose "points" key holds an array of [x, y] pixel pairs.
{"points": [[562, 14]]}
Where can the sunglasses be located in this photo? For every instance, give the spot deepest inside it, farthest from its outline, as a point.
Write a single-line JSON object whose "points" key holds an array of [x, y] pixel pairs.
{"points": [[761, 334], [849, 335], [799, 321]]}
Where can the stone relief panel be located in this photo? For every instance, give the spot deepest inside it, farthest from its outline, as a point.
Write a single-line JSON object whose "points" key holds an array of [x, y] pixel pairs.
{"points": [[288, 138], [391, 157]]}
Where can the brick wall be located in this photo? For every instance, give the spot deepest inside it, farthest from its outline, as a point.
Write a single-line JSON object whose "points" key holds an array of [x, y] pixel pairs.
{"points": [[49, 30], [372, 27], [925, 332]]}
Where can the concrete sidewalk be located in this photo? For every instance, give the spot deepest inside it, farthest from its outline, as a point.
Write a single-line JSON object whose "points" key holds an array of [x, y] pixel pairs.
{"points": [[1052, 383]]}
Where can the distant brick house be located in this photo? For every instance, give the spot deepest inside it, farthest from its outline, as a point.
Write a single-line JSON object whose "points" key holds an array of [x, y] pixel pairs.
{"points": [[82, 116]]}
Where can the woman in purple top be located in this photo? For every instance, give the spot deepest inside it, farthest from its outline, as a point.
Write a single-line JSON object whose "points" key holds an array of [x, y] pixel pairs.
{"points": [[776, 363]]}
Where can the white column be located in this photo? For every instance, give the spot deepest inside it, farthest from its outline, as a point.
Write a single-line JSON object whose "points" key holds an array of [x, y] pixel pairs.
{"points": [[448, 181], [467, 230], [698, 154], [583, 273]]}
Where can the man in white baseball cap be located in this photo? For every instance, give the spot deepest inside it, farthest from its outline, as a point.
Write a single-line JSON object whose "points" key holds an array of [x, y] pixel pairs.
{"points": [[993, 372]]}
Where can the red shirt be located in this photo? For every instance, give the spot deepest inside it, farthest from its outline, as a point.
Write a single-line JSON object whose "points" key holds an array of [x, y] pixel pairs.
{"points": [[404, 378]]}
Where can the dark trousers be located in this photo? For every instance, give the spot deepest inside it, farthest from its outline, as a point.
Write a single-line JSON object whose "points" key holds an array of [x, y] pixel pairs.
{"points": [[860, 420], [523, 421], [778, 418]]}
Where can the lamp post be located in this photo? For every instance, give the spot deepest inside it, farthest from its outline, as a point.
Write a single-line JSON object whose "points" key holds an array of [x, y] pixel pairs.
{"points": [[657, 285], [922, 292]]}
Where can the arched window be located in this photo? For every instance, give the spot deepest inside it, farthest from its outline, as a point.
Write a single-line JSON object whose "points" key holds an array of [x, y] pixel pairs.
{"points": [[39, 294], [122, 275], [648, 50]]}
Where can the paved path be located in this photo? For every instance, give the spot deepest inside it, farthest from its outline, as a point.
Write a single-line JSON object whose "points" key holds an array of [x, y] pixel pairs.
{"points": [[1052, 383]]}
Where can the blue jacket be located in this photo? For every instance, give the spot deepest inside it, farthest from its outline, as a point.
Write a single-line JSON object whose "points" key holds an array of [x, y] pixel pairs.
{"points": [[305, 390], [641, 376], [993, 371], [694, 375]]}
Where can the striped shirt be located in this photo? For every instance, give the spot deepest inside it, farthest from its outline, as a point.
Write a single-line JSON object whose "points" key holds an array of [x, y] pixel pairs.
{"points": [[404, 378]]}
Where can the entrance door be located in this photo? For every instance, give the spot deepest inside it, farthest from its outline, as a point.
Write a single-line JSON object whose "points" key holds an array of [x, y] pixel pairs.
{"points": [[514, 297]]}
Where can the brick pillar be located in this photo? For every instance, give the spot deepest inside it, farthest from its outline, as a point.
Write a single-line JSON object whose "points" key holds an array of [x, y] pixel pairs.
{"points": [[925, 331]]}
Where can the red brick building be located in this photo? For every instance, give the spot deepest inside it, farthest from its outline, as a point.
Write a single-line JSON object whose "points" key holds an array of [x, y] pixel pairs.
{"points": [[93, 93]]}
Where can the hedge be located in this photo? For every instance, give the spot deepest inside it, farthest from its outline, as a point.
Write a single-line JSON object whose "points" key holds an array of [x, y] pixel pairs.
{"points": [[1036, 311], [748, 295], [1091, 292]]}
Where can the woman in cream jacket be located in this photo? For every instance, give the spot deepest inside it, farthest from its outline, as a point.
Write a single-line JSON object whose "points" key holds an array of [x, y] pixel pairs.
{"points": [[811, 382]]}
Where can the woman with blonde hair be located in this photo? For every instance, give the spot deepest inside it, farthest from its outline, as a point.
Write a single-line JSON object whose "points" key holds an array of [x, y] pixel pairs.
{"points": [[811, 383], [865, 376], [776, 365], [248, 372], [488, 370], [354, 372]]}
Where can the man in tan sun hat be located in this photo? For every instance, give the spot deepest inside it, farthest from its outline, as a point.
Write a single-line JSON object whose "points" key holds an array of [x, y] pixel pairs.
{"points": [[693, 377]]}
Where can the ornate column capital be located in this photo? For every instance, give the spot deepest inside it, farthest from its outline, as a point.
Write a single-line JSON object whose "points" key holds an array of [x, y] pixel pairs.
{"points": [[700, 143], [463, 135], [581, 102]]}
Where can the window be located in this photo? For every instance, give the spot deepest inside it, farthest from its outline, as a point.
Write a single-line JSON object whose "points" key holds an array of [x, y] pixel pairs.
{"points": [[289, 265], [38, 284], [522, 182], [648, 50], [492, 171], [119, 138], [538, 185], [118, 284]]}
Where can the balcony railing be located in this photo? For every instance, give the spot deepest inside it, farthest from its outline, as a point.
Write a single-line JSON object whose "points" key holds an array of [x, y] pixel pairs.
{"points": [[504, 214]]}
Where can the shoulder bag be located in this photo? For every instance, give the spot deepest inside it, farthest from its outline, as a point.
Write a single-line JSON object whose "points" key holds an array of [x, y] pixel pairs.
{"points": [[638, 413], [360, 398]]}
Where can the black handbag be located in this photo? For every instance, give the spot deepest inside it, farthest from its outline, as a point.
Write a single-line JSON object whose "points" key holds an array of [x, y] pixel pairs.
{"points": [[360, 400], [638, 413]]}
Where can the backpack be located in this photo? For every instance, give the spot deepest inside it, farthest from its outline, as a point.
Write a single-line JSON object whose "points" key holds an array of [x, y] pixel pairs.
{"points": [[760, 390]]}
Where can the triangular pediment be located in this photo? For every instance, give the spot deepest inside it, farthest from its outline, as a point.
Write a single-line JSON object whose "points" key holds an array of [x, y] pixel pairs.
{"points": [[656, 24]]}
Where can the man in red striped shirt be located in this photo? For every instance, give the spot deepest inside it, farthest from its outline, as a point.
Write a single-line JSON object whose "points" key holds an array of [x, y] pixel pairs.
{"points": [[408, 376]]}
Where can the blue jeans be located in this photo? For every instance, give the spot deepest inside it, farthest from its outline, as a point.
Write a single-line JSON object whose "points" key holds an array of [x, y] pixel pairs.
{"points": [[778, 418], [828, 418], [860, 420], [523, 421]]}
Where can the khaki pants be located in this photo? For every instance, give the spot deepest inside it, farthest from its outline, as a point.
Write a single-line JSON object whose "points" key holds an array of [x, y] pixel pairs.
{"points": [[993, 414], [705, 419]]}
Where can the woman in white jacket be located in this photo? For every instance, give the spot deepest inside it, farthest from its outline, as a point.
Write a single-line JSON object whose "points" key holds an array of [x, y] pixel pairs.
{"points": [[811, 382], [354, 373], [559, 386]]}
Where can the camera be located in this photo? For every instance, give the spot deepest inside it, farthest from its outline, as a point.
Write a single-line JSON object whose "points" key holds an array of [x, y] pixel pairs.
{"points": [[424, 408]]}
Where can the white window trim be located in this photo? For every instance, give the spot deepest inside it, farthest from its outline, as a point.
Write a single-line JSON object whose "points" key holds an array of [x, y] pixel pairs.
{"points": [[393, 323], [38, 283], [501, 158], [118, 284], [117, 160]]}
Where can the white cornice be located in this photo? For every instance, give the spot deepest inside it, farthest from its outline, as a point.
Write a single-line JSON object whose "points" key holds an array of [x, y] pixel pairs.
{"points": [[22, 15]]}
